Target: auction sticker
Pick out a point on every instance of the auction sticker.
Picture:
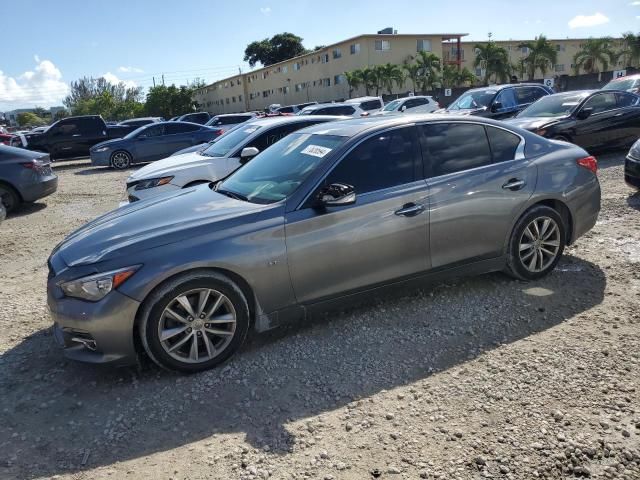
(316, 150)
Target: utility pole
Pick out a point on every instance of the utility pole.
(154, 81)
(163, 79)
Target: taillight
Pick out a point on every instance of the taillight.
(589, 163)
(31, 165)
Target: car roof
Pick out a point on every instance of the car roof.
(506, 85)
(574, 93)
(350, 127)
(234, 114)
(169, 122)
(361, 99)
(324, 105)
(635, 76)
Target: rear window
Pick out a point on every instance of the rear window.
(371, 105)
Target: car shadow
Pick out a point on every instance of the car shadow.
(58, 167)
(94, 171)
(633, 200)
(612, 159)
(63, 417)
(25, 209)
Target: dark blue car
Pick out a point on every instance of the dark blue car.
(149, 143)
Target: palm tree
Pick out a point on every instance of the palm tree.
(494, 60)
(631, 48)
(390, 74)
(594, 52)
(354, 80)
(520, 67)
(369, 79)
(412, 73)
(429, 65)
(378, 78)
(542, 55)
(452, 76)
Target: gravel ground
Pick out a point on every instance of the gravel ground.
(473, 378)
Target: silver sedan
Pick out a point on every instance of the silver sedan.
(327, 214)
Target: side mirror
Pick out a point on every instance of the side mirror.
(336, 195)
(496, 106)
(403, 108)
(247, 154)
(584, 113)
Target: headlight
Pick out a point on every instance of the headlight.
(95, 287)
(101, 149)
(153, 182)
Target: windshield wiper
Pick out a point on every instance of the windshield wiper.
(233, 195)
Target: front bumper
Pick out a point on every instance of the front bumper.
(95, 332)
(100, 159)
(134, 195)
(632, 172)
(41, 188)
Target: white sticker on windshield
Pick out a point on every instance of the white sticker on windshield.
(316, 150)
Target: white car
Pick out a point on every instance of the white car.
(367, 104)
(354, 107)
(416, 104)
(218, 160)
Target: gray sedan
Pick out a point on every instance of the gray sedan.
(330, 213)
(25, 176)
(149, 143)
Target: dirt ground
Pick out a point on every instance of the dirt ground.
(481, 377)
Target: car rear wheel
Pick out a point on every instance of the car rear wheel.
(121, 160)
(9, 197)
(536, 243)
(195, 322)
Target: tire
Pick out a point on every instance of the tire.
(121, 160)
(532, 253)
(168, 331)
(9, 197)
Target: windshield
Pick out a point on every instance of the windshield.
(473, 99)
(230, 140)
(627, 84)
(389, 107)
(553, 105)
(277, 172)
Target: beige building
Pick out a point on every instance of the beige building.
(317, 76)
(566, 48)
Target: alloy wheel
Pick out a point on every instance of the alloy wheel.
(539, 244)
(197, 325)
(120, 160)
(7, 198)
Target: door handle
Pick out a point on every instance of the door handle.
(514, 184)
(410, 210)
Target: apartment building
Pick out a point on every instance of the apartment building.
(319, 75)
(566, 49)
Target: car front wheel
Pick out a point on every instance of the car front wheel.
(195, 322)
(536, 243)
(121, 160)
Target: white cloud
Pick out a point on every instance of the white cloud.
(111, 78)
(582, 21)
(265, 10)
(41, 86)
(635, 4)
(130, 70)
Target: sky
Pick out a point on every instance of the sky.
(47, 44)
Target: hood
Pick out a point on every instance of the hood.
(107, 143)
(531, 123)
(169, 165)
(160, 220)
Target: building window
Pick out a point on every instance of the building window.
(285, 90)
(299, 87)
(560, 48)
(476, 51)
(239, 98)
(525, 50)
(325, 58)
(383, 45)
(327, 82)
(296, 66)
(285, 69)
(559, 67)
(479, 72)
(337, 53)
(233, 99)
(265, 93)
(227, 101)
(338, 79)
(354, 48)
(226, 84)
(423, 46)
(454, 53)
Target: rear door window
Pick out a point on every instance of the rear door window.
(454, 147)
(173, 128)
(507, 98)
(601, 102)
(503, 144)
(371, 105)
(383, 161)
(152, 131)
(626, 100)
(527, 95)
